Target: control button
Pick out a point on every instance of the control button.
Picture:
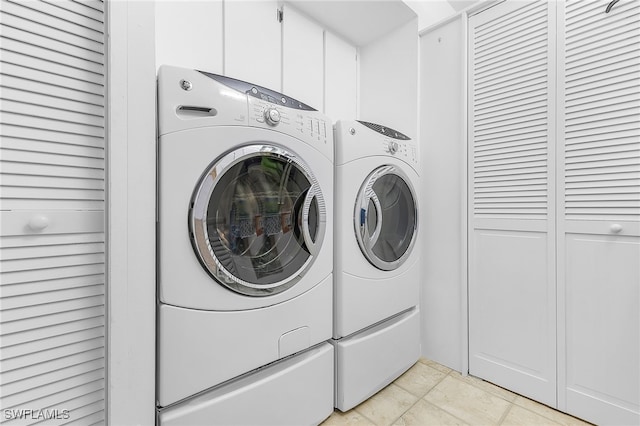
(393, 147)
(186, 85)
(283, 100)
(254, 90)
(272, 116)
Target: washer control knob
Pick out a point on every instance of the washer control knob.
(272, 116)
(393, 147)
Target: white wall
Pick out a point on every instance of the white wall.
(389, 80)
(430, 12)
(189, 34)
(442, 138)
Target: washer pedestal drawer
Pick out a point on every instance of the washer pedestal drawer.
(369, 360)
(295, 391)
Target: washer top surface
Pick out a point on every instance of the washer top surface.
(359, 139)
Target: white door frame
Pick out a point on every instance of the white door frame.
(131, 212)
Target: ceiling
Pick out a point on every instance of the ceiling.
(359, 22)
(458, 5)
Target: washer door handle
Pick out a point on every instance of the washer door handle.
(364, 218)
(312, 246)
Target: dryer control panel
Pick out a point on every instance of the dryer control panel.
(358, 139)
(406, 151)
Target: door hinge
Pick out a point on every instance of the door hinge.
(280, 14)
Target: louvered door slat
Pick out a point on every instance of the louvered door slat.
(54, 364)
(68, 394)
(511, 44)
(94, 4)
(34, 49)
(53, 183)
(46, 135)
(40, 336)
(52, 166)
(40, 14)
(71, 21)
(47, 101)
(51, 69)
(606, 103)
(52, 377)
(618, 38)
(40, 123)
(69, 382)
(38, 29)
(84, 401)
(52, 148)
(51, 113)
(86, 415)
(79, 9)
(489, 34)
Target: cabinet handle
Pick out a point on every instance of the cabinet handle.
(611, 5)
(616, 228)
(38, 222)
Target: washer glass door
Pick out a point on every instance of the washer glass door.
(386, 218)
(257, 220)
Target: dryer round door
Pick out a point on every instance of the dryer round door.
(386, 219)
(257, 220)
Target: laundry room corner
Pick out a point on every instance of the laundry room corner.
(131, 198)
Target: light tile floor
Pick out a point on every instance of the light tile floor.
(432, 394)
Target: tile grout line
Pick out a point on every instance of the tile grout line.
(451, 374)
(505, 414)
(442, 408)
(421, 398)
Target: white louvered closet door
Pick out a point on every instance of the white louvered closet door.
(599, 211)
(512, 340)
(52, 201)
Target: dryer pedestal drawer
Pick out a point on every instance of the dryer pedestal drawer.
(295, 391)
(371, 359)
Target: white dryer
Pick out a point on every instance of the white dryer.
(376, 259)
(244, 252)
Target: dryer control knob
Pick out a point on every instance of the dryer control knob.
(393, 147)
(272, 116)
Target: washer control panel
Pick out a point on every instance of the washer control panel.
(310, 126)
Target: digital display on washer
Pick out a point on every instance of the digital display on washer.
(259, 92)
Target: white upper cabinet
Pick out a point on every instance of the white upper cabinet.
(341, 78)
(252, 42)
(189, 34)
(302, 58)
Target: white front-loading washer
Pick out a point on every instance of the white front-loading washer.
(376, 259)
(245, 178)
